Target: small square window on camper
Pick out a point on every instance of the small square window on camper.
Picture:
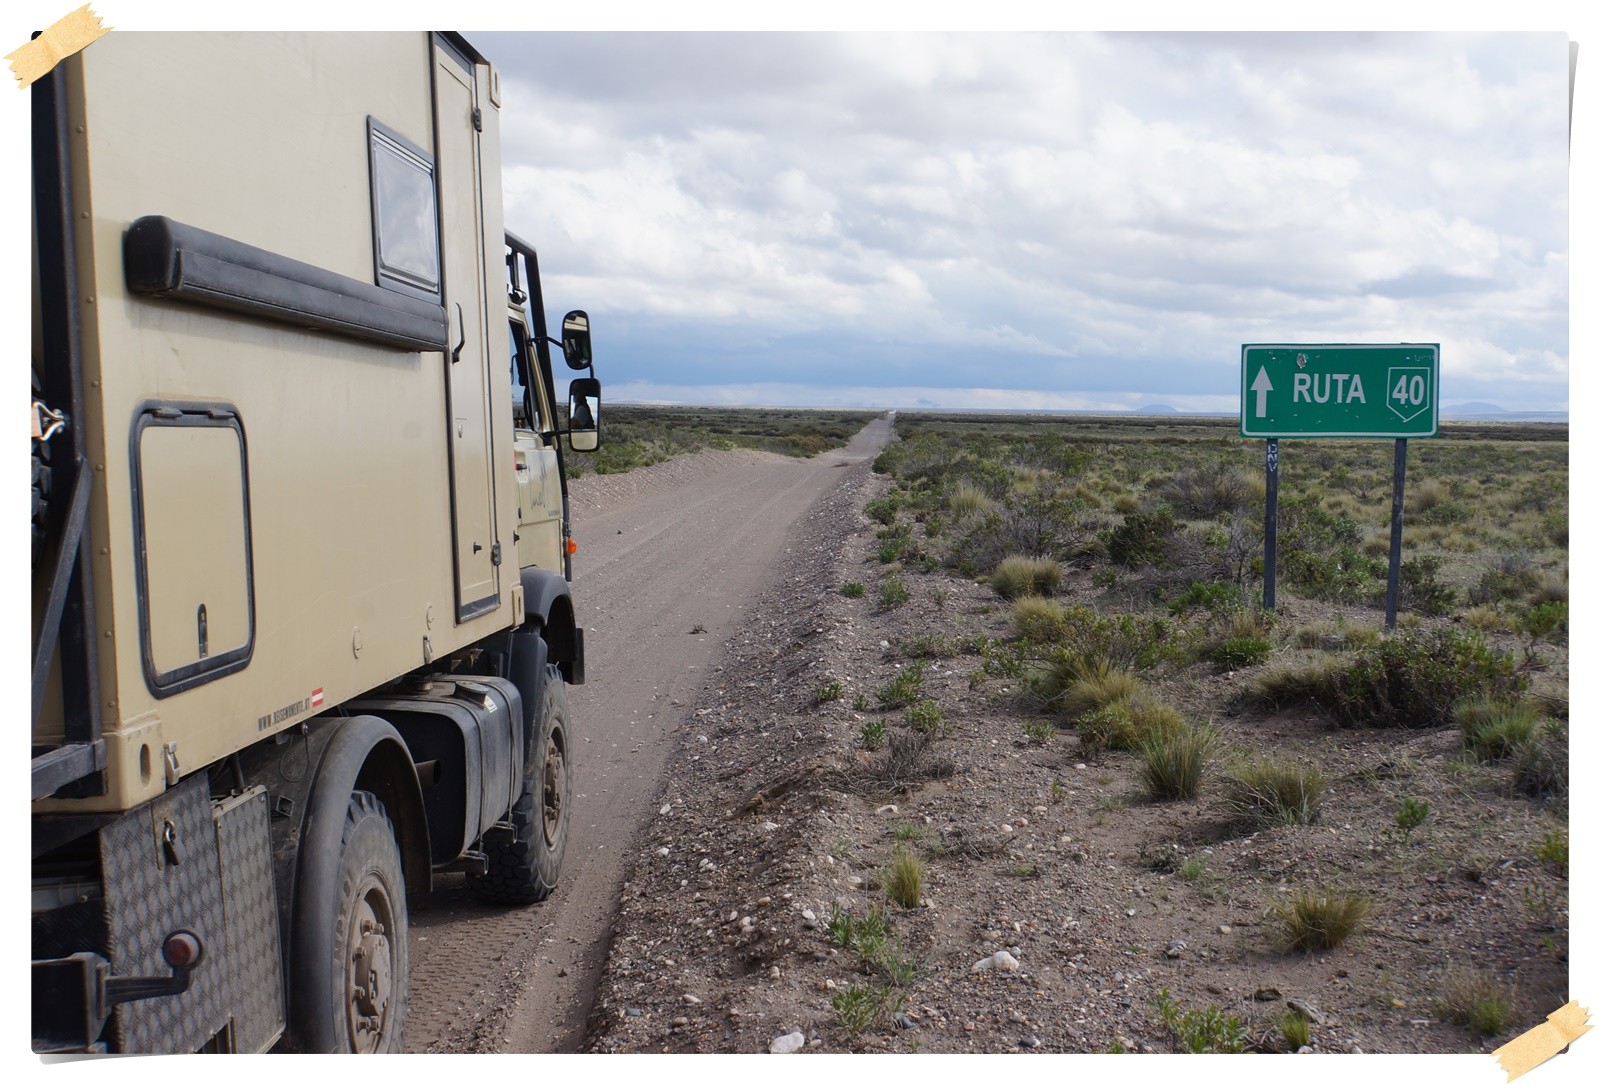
(405, 213)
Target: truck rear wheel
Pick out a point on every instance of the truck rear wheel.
(358, 1001)
(524, 870)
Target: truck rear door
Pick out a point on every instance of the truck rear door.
(461, 205)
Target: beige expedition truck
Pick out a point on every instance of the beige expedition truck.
(301, 621)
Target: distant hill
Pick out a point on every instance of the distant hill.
(1158, 408)
(1478, 411)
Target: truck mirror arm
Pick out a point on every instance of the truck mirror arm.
(557, 342)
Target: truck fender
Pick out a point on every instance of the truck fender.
(363, 753)
(529, 654)
(548, 602)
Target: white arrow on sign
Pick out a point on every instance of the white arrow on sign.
(1261, 386)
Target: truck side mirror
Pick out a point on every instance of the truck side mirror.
(583, 414)
(575, 340)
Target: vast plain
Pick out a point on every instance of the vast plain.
(1008, 757)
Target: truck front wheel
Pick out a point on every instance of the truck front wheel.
(524, 870)
(358, 1002)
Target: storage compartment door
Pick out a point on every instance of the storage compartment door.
(192, 519)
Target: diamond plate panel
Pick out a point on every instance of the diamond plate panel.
(148, 896)
(250, 908)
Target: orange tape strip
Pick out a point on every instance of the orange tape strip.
(1543, 1041)
(65, 36)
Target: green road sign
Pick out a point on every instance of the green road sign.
(1339, 390)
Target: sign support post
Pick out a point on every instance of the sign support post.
(1269, 584)
(1385, 390)
(1396, 517)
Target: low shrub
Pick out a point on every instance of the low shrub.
(852, 590)
(1321, 552)
(1017, 576)
(830, 692)
(1175, 763)
(1270, 792)
(1553, 851)
(1207, 491)
(1412, 813)
(872, 734)
(882, 510)
(1414, 679)
(903, 688)
(1545, 621)
(1314, 922)
(1421, 590)
(924, 716)
(1143, 538)
(1512, 577)
(1213, 595)
(1125, 640)
(928, 646)
(902, 764)
(1341, 575)
(1236, 653)
(1199, 1032)
(893, 593)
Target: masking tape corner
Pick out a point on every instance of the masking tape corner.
(1544, 1041)
(64, 37)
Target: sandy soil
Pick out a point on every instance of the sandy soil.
(671, 561)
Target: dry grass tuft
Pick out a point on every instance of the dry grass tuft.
(1096, 685)
(1035, 619)
(1495, 730)
(903, 880)
(1175, 763)
(1477, 1000)
(1017, 576)
(967, 499)
(1272, 792)
(1127, 723)
(1313, 922)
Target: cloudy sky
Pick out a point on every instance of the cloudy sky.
(1064, 220)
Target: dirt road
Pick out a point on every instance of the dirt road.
(669, 558)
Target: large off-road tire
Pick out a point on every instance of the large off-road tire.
(363, 990)
(524, 870)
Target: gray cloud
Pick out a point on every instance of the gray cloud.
(1084, 209)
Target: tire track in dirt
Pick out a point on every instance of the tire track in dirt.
(663, 553)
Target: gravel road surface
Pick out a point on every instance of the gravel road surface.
(670, 557)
